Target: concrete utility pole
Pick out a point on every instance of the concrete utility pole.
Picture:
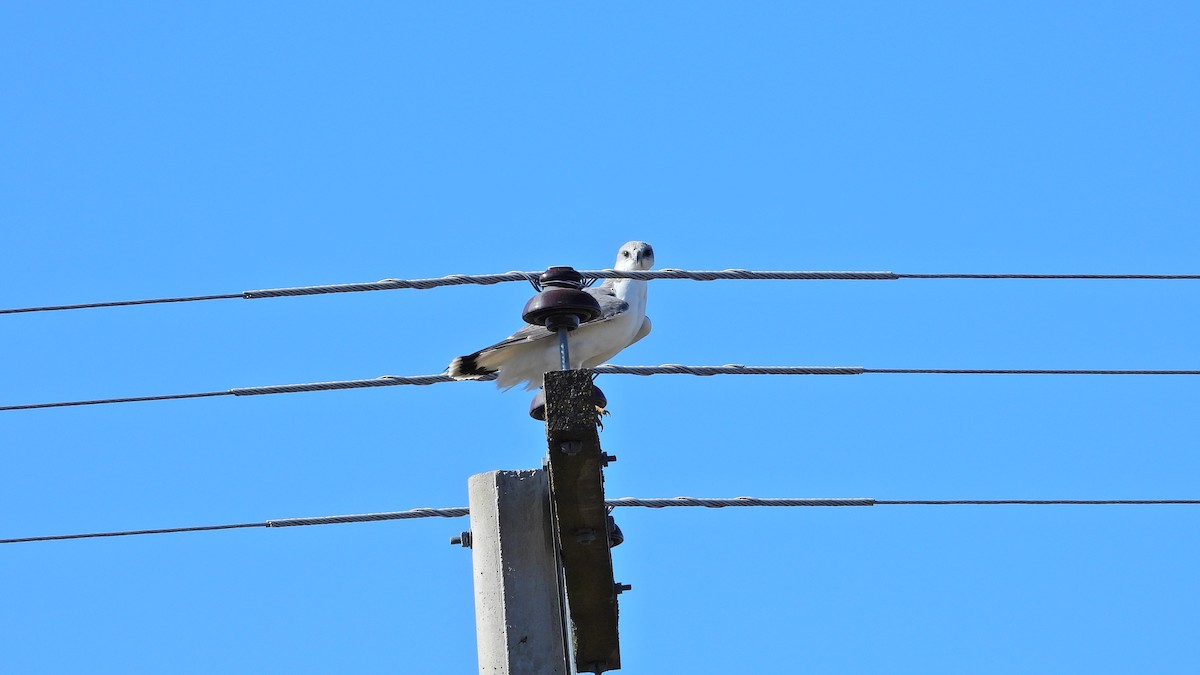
(518, 615)
(541, 539)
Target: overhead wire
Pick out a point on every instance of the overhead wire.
(712, 503)
(453, 512)
(654, 503)
(608, 369)
(666, 369)
(489, 279)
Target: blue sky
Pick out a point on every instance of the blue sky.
(159, 149)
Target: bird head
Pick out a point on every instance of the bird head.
(635, 255)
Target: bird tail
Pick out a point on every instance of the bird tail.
(468, 368)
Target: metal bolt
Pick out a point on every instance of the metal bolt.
(463, 540)
(564, 344)
(621, 588)
(607, 459)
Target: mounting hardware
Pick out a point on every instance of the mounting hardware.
(615, 536)
(563, 304)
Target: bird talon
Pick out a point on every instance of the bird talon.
(600, 413)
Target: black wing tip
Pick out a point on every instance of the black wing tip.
(467, 366)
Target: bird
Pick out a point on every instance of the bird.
(526, 355)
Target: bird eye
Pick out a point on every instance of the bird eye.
(625, 253)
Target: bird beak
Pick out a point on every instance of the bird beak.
(644, 253)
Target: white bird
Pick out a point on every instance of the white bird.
(532, 351)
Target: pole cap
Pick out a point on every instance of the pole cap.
(537, 407)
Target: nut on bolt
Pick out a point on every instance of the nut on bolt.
(463, 539)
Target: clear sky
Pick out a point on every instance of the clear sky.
(155, 149)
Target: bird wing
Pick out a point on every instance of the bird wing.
(610, 307)
(472, 366)
(643, 331)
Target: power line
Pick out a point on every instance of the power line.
(121, 303)
(489, 279)
(453, 512)
(130, 533)
(868, 501)
(665, 369)
(711, 503)
(1126, 277)
(949, 371)
(737, 369)
(653, 503)
(132, 399)
(1033, 502)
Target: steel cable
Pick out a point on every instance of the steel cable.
(653, 503)
(610, 369)
(489, 279)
